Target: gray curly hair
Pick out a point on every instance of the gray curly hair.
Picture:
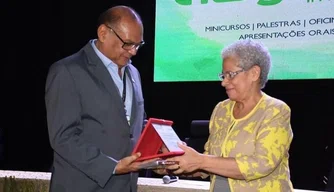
(250, 53)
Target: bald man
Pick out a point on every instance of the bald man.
(95, 109)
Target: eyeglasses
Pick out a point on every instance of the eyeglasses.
(229, 74)
(127, 45)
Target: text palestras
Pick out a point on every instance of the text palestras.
(275, 24)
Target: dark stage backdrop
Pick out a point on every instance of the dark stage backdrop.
(39, 33)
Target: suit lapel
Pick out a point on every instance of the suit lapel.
(102, 74)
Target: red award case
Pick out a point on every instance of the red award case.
(150, 141)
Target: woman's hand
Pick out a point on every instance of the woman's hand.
(189, 162)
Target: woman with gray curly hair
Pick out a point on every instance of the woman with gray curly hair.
(250, 132)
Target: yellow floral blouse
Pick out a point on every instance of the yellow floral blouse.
(259, 142)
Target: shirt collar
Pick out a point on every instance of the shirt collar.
(105, 60)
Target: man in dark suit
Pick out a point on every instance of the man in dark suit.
(95, 109)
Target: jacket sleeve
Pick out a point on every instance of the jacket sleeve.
(65, 129)
(272, 144)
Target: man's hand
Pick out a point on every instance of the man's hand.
(129, 164)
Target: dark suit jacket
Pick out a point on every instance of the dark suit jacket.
(88, 129)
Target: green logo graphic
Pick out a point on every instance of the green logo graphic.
(260, 2)
(268, 2)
